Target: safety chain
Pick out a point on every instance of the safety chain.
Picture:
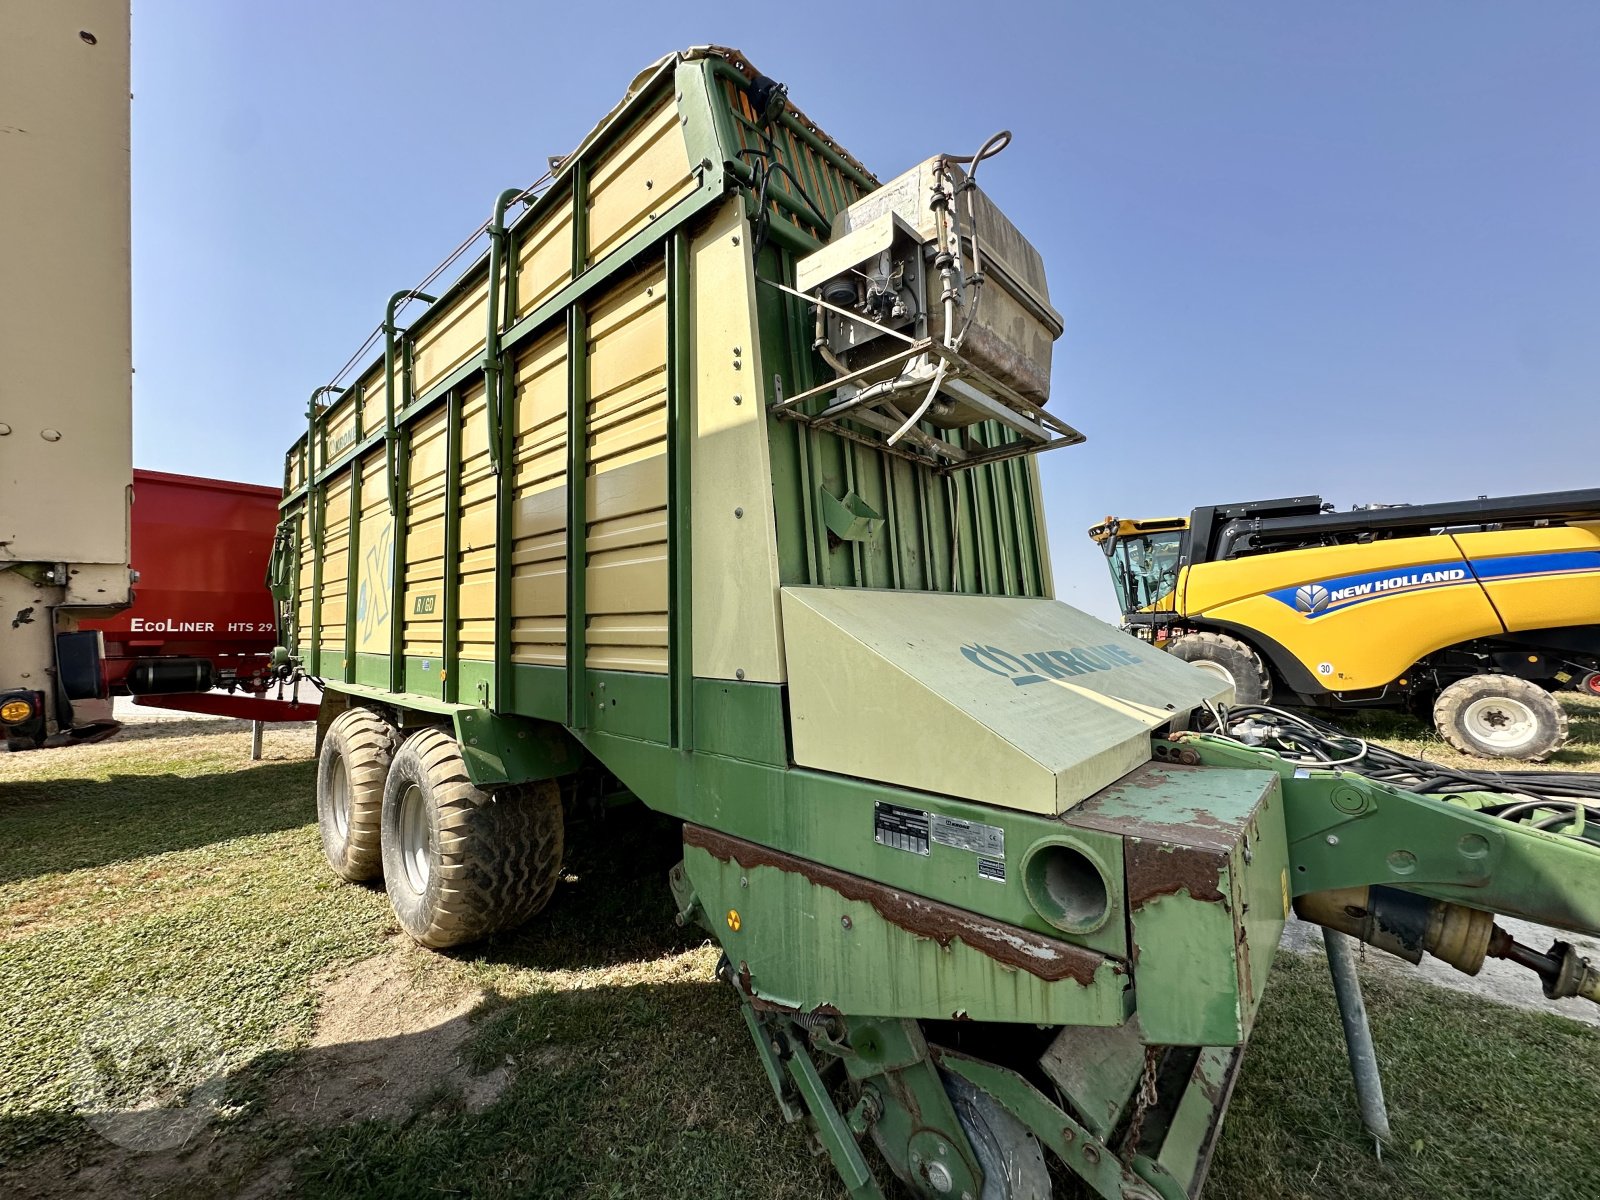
(1144, 1100)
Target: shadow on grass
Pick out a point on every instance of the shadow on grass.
(647, 1090)
(634, 1086)
(613, 904)
(72, 824)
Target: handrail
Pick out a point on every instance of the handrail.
(493, 368)
(389, 333)
(311, 432)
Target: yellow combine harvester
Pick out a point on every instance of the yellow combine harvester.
(1478, 609)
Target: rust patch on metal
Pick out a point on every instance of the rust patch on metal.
(1156, 869)
(1130, 808)
(1045, 958)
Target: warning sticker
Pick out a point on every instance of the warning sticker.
(901, 828)
(987, 840)
(992, 869)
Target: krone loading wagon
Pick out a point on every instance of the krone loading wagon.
(715, 476)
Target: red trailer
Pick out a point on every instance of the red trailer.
(202, 617)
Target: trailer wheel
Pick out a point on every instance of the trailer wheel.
(1229, 659)
(1500, 716)
(458, 862)
(351, 767)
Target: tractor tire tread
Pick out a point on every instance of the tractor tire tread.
(1219, 648)
(498, 854)
(368, 744)
(1454, 698)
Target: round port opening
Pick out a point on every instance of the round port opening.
(1066, 887)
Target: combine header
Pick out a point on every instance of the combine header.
(713, 480)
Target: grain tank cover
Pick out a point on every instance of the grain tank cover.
(1022, 703)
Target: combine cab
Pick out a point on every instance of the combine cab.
(714, 480)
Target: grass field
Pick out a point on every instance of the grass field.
(592, 1054)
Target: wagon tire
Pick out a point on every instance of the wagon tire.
(1500, 716)
(351, 769)
(1229, 659)
(460, 863)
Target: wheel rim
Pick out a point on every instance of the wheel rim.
(1217, 669)
(1500, 721)
(339, 789)
(416, 839)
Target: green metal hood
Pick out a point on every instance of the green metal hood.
(1023, 703)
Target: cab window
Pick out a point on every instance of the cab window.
(1145, 569)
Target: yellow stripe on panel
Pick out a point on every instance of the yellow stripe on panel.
(544, 257)
(539, 506)
(637, 181)
(475, 614)
(450, 338)
(373, 571)
(626, 536)
(335, 564)
(422, 601)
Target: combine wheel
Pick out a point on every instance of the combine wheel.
(355, 757)
(1228, 658)
(1500, 716)
(460, 863)
(1013, 1165)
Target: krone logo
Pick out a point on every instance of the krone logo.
(1312, 598)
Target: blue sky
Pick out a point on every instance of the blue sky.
(1350, 249)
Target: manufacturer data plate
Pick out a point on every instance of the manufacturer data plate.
(902, 828)
(989, 841)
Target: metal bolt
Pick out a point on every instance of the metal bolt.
(737, 399)
(939, 1177)
(847, 923)
(743, 882)
(739, 674)
(50, 435)
(736, 239)
(738, 513)
(5, 429)
(1333, 839)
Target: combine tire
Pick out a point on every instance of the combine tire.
(460, 863)
(1228, 658)
(355, 757)
(1500, 716)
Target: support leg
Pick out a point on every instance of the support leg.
(255, 741)
(1357, 1034)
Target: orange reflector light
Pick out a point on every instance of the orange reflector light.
(14, 712)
